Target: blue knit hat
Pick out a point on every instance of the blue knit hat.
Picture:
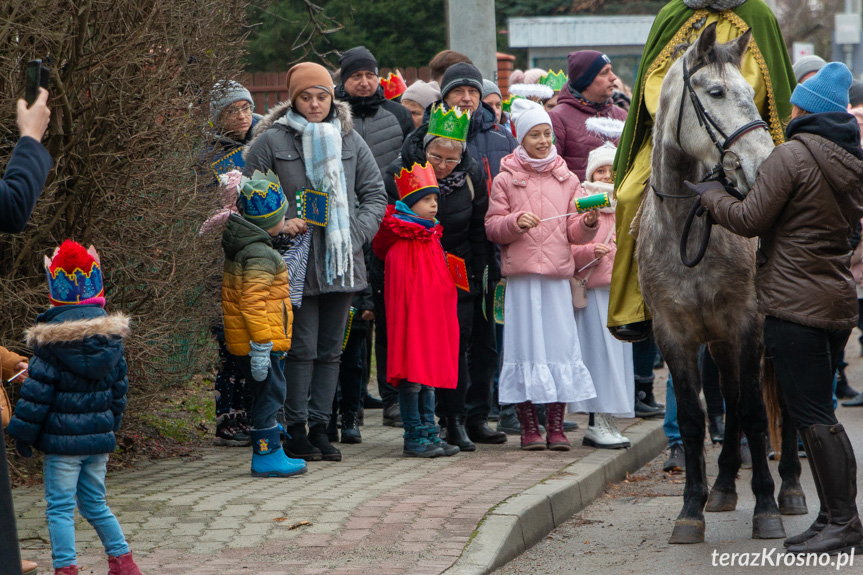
(826, 91)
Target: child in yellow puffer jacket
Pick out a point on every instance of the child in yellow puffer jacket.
(257, 313)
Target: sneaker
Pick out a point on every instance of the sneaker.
(601, 436)
(676, 462)
(508, 421)
(611, 422)
(230, 433)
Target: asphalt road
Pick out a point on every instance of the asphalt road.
(627, 531)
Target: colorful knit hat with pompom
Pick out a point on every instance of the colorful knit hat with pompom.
(74, 275)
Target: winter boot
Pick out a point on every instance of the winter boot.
(124, 564)
(268, 458)
(716, 428)
(456, 433)
(531, 438)
(833, 458)
(644, 394)
(68, 570)
(416, 444)
(230, 432)
(555, 437)
(333, 428)
(318, 438)
(350, 428)
(823, 514)
(433, 435)
(297, 444)
(508, 420)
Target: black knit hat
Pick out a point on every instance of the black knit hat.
(855, 93)
(356, 60)
(461, 74)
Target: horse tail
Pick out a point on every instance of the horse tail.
(770, 392)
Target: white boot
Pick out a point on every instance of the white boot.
(611, 422)
(600, 435)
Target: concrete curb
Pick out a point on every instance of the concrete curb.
(523, 520)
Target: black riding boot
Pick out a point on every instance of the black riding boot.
(823, 515)
(456, 433)
(833, 457)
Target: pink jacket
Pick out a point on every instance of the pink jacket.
(583, 254)
(545, 249)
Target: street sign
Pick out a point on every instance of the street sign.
(847, 29)
(800, 49)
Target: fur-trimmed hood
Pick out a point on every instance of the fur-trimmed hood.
(81, 338)
(343, 112)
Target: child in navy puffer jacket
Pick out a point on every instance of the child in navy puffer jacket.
(72, 403)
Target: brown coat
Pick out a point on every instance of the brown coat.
(804, 206)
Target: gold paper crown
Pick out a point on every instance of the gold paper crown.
(453, 124)
(554, 80)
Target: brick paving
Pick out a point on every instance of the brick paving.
(374, 512)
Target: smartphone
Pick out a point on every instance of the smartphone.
(38, 75)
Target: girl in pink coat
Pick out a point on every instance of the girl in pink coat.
(530, 217)
(608, 359)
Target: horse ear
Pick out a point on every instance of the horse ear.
(706, 43)
(738, 46)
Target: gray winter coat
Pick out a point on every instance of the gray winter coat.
(383, 124)
(278, 147)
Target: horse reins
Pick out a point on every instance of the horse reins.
(718, 173)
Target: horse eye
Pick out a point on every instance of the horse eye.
(717, 92)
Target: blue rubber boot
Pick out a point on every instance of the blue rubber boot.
(268, 457)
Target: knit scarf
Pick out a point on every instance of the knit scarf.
(451, 183)
(322, 153)
(718, 5)
(538, 164)
(405, 214)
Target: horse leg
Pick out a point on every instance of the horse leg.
(766, 520)
(683, 364)
(723, 494)
(792, 499)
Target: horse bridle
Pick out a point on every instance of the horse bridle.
(728, 162)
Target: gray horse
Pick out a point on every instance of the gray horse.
(713, 302)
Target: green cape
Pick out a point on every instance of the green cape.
(674, 16)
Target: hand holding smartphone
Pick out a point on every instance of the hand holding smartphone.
(38, 76)
(33, 112)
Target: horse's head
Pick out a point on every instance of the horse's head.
(704, 103)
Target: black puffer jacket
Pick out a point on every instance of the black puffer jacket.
(381, 123)
(461, 211)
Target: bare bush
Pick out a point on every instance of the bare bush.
(127, 84)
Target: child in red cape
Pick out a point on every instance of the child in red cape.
(420, 296)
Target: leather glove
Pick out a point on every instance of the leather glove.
(260, 359)
(23, 448)
(702, 187)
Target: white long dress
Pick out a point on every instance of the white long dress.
(541, 354)
(609, 360)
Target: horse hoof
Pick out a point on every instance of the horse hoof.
(687, 531)
(767, 527)
(719, 501)
(792, 503)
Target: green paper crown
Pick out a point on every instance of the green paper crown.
(453, 124)
(554, 80)
(506, 105)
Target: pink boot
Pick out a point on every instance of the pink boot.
(67, 570)
(123, 565)
(555, 437)
(531, 438)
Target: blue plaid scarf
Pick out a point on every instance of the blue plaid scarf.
(322, 153)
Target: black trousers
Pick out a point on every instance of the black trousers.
(805, 359)
(482, 360)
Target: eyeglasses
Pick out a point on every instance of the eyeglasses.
(244, 110)
(438, 160)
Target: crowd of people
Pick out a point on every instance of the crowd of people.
(476, 246)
